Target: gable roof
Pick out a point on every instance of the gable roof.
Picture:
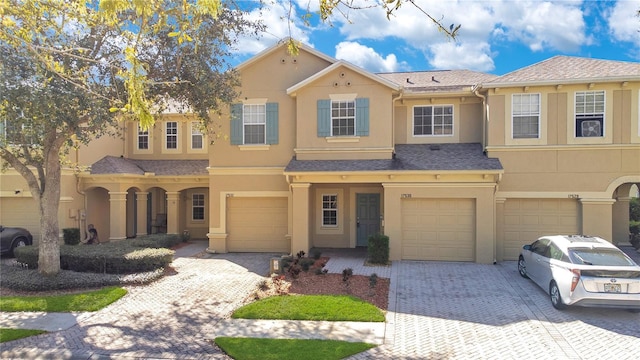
(338, 64)
(409, 157)
(121, 165)
(279, 45)
(569, 70)
(448, 81)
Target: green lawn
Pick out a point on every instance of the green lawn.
(311, 307)
(88, 301)
(14, 334)
(284, 349)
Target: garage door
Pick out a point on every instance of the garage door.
(21, 212)
(527, 219)
(257, 225)
(438, 229)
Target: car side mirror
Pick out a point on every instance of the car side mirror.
(527, 247)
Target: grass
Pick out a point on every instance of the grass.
(311, 307)
(88, 301)
(283, 349)
(14, 334)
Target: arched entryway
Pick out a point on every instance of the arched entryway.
(97, 212)
(620, 212)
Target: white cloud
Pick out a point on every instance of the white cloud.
(624, 24)
(277, 19)
(367, 58)
(542, 25)
(452, 55)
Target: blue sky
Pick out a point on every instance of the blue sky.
(497, 36)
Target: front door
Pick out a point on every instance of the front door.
(367, 217)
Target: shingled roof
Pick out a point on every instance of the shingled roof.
(121, 165)
(559, 69)
(437, 81)
(425, 157)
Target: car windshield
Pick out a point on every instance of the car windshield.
(609, 257)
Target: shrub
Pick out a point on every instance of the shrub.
(347, 274)
(29, 280)
(110, 258)
(378, 249)
(316, 254)
(634, 227)
(306, 263)
(71, 236)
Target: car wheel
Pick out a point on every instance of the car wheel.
(19, 242)
(554, 295)
(522, 268)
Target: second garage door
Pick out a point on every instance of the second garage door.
(438, 229)
(527, 219)
(257, 225)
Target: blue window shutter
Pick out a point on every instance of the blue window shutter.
(362, 117)
(272, 123)
(236, 124)
(324, 118)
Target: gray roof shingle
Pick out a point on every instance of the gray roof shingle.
(437, 81)
(121, 165)
(567, 68)
(415, 157)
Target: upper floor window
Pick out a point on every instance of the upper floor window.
(171, 134)
(525, 115)
(343, 115)
(197, 206)
(196, 136)
(254, 120)
(589, 113)
(143, 138)
(433, 120)
(330, 210)
(15, 133)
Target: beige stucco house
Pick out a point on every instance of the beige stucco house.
(316, 152)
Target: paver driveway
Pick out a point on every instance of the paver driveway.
(438, 310)
(171, 318)
(473, 311)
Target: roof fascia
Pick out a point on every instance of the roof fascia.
(341, 63)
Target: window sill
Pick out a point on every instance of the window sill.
(259, 147)
(343, 139)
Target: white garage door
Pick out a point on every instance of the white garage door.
(527, 219)
(438, 229)
(21, 212)
(257, 225)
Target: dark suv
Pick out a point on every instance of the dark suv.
(13, 237)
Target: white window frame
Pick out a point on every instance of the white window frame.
(527, 110)
(329, 205)
(342, 113)
(433, 120)
(197, 202)
(590, 112)
(141, 135)
(9, 141)
(172, 134)
(254, 115)
(196, 134)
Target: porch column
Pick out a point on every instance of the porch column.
(300, 218)
(141, 213)
(621, 221)
(117, 215)
(597, 215)
(173, 201)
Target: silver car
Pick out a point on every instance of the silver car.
(583, 271)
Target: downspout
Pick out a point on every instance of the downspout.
(485, 117)
(485, 120)
(393, 118)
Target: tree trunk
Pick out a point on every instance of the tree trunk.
(49, 246)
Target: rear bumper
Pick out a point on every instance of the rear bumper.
(608, 303)
(609, 300)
